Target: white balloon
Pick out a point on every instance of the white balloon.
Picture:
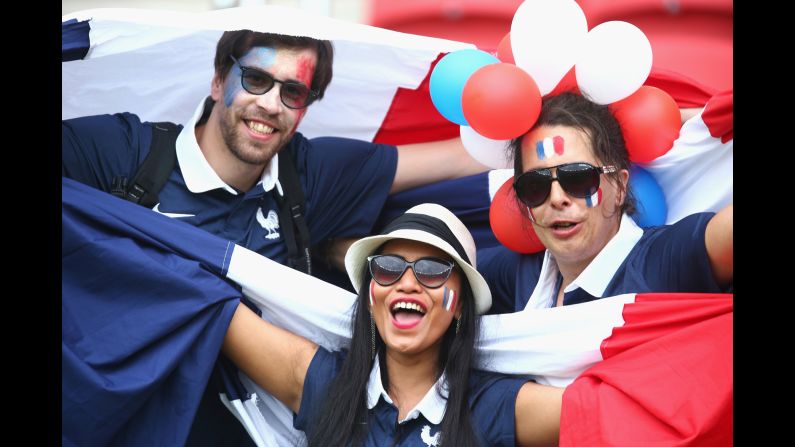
(546, 38)
(492, 153)
(615, 62)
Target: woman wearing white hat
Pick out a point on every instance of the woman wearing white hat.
(407, 377)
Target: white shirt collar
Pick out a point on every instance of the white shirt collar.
(432, 405)
(597, 275)
(196, 170)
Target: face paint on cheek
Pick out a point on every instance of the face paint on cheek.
(595, 199)
(233, 85)
(449, 300)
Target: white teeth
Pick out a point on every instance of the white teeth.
(260, 128)
(408, 306)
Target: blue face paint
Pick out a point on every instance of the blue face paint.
(257, 57)
(233, 85)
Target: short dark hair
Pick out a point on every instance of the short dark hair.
(237, 43)
(599, 125)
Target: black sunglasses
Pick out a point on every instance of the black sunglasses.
(257, 82)
(577, 179)
(430, 272)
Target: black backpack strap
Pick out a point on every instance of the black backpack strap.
(155, 169)
(292, 220)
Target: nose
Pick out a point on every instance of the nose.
(558, 198)
(271, 100)
(408, 282)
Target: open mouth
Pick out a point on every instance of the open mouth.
(407, 314)
(563, 225)
(260, 128)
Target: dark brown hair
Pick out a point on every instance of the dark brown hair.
(237, 43)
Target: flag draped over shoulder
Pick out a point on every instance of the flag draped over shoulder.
(147, 300)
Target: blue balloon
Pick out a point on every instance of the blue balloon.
(650, 199)
(448, 79)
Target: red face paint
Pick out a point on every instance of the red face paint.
(557, 142)
(305, 70)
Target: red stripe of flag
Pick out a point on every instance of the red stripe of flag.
(666, 379)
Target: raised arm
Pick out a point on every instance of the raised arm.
(277, 360)
(538, 415)
(719, 238)
(423, 163)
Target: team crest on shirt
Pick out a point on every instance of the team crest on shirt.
(429, 440)
(270, 223)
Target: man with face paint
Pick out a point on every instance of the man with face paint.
(571, 174)
(226, 174)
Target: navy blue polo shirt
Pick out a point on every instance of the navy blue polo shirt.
(670, 258)
(492, 402)
(345, 181)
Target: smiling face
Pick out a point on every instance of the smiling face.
(256, 127)
(573, 229)
(410, 317)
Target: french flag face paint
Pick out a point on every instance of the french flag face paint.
(549, 147)
(449, 300)
(595, 199)
(372, 293)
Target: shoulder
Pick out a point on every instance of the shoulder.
(326, 364)
(480, 380)
(125, 122)
(689, 227)
(336, 148)
(110, 130)
(488, 388)
(492, 401)
(323, 368)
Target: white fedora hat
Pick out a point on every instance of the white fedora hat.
(434, 225)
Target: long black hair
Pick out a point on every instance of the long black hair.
(343, 418)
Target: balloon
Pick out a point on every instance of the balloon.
(567, 84)
(492, 153)
(649, 197)
(504, 52)
(546, 38)
(448, 79)
(510, 223)
(615, 61)
(501, 101)
(650, 122)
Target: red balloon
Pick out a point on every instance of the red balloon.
(504, 50)
(510, 223)
(567, 84)
(501, 101)
(650, 122)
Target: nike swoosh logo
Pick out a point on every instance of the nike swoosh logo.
(157, 210)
